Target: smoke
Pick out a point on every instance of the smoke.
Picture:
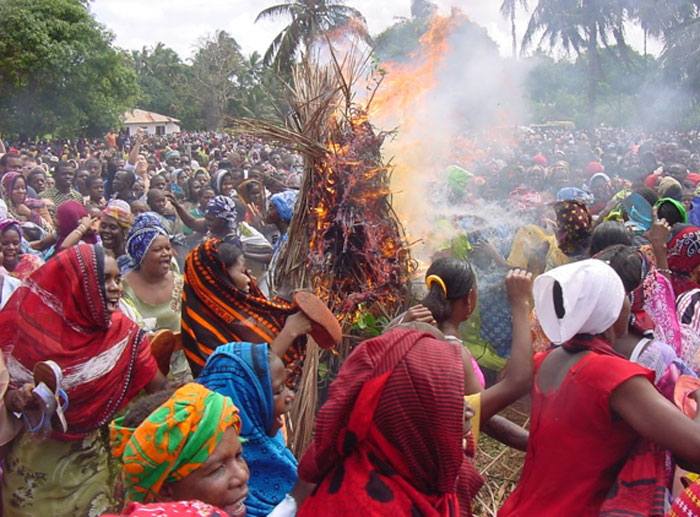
(448, 101)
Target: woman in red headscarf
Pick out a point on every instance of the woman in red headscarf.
(66, 312)
(684, 258)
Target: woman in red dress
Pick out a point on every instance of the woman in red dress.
(591, 407)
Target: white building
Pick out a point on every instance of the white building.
(152, 123)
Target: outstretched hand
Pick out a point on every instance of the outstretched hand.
(519, 287)
(658, 234)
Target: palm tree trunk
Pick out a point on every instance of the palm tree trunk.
(512, 32)
(593, 69)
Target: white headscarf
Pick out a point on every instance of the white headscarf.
(592, 295)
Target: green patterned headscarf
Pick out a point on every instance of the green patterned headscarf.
(174, 441)
(458, 178)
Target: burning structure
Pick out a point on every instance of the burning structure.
(345, 241)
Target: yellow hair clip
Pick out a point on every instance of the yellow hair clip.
(439, 281)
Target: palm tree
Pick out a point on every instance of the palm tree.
(579, 26)
(308, 19)
(508, 8)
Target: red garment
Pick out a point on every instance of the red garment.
(60, 314)
(389, 439)
(650, 180)
(577, 446)
(177, 509)
(693, 178)
(593, 168)
(68, 216)
(684, 258)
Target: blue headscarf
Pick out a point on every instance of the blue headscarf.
(242, 371)
(218, 178)
(224, 208)
(284, 203)
(694, 213)
(574, 194)
(147, 226)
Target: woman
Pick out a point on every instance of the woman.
(216, 312)
(14, 191)
(150, 286)
(115, 222)
(253, 376)
(375, 451)
(223, 182)
(590, 406)
(573, 229)
(280, 211)
(16, 260)
(74, 226)
(66, 312)
(684, 258)
(182, 448)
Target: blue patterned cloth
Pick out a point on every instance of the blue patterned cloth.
(241, 371)
(284, 203)
(574, 194)
(147, 226)
(494, 310)
(224, 208)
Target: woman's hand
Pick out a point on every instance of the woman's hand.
(519, 287)
(658, 234)
(419, 313)
(21, 399)
(297, 324)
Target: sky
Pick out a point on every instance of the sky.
(181, 24)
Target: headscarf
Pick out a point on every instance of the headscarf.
(684, 258)
(241, 371)
(218, 178)
(68, 216)
(393, 416)
(599, 176)
(224, 208)
(574, 226)
(583, 297)
(694, 213)
(593, 168)
(284, 203)
(172, 154)
(174, 441)
(147, 226)
(8, 183)
(7, 222)
(667, 184)
(574, 194)
(60, 314)
(120, 211)
(676, 204)
(177, 509)
(215, 313)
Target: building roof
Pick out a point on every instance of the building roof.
(137, 116)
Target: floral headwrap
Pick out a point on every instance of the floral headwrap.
(684, 258)
(147, 226)
(174, 441)
(120, 211)
(574, 221)
(6, 223)
(8, 182)
(284, 203)
(224, 208)
(573, 193)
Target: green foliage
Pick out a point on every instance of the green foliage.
(59, 73)
(367, 325)
(308, 19)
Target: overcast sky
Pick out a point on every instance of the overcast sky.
(180, 24)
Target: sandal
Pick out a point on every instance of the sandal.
(163, 344)
(53, 400)
(325, 328)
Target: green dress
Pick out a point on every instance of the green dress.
(162, 316)
(57, 478)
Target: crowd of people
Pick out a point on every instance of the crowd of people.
(151, 350)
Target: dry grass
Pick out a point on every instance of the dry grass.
(499, 465)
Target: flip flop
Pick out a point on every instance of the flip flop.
(163, 344)
(325, 328)
(49, 375)
(685, 385)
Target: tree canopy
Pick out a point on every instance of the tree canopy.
(59, 73)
